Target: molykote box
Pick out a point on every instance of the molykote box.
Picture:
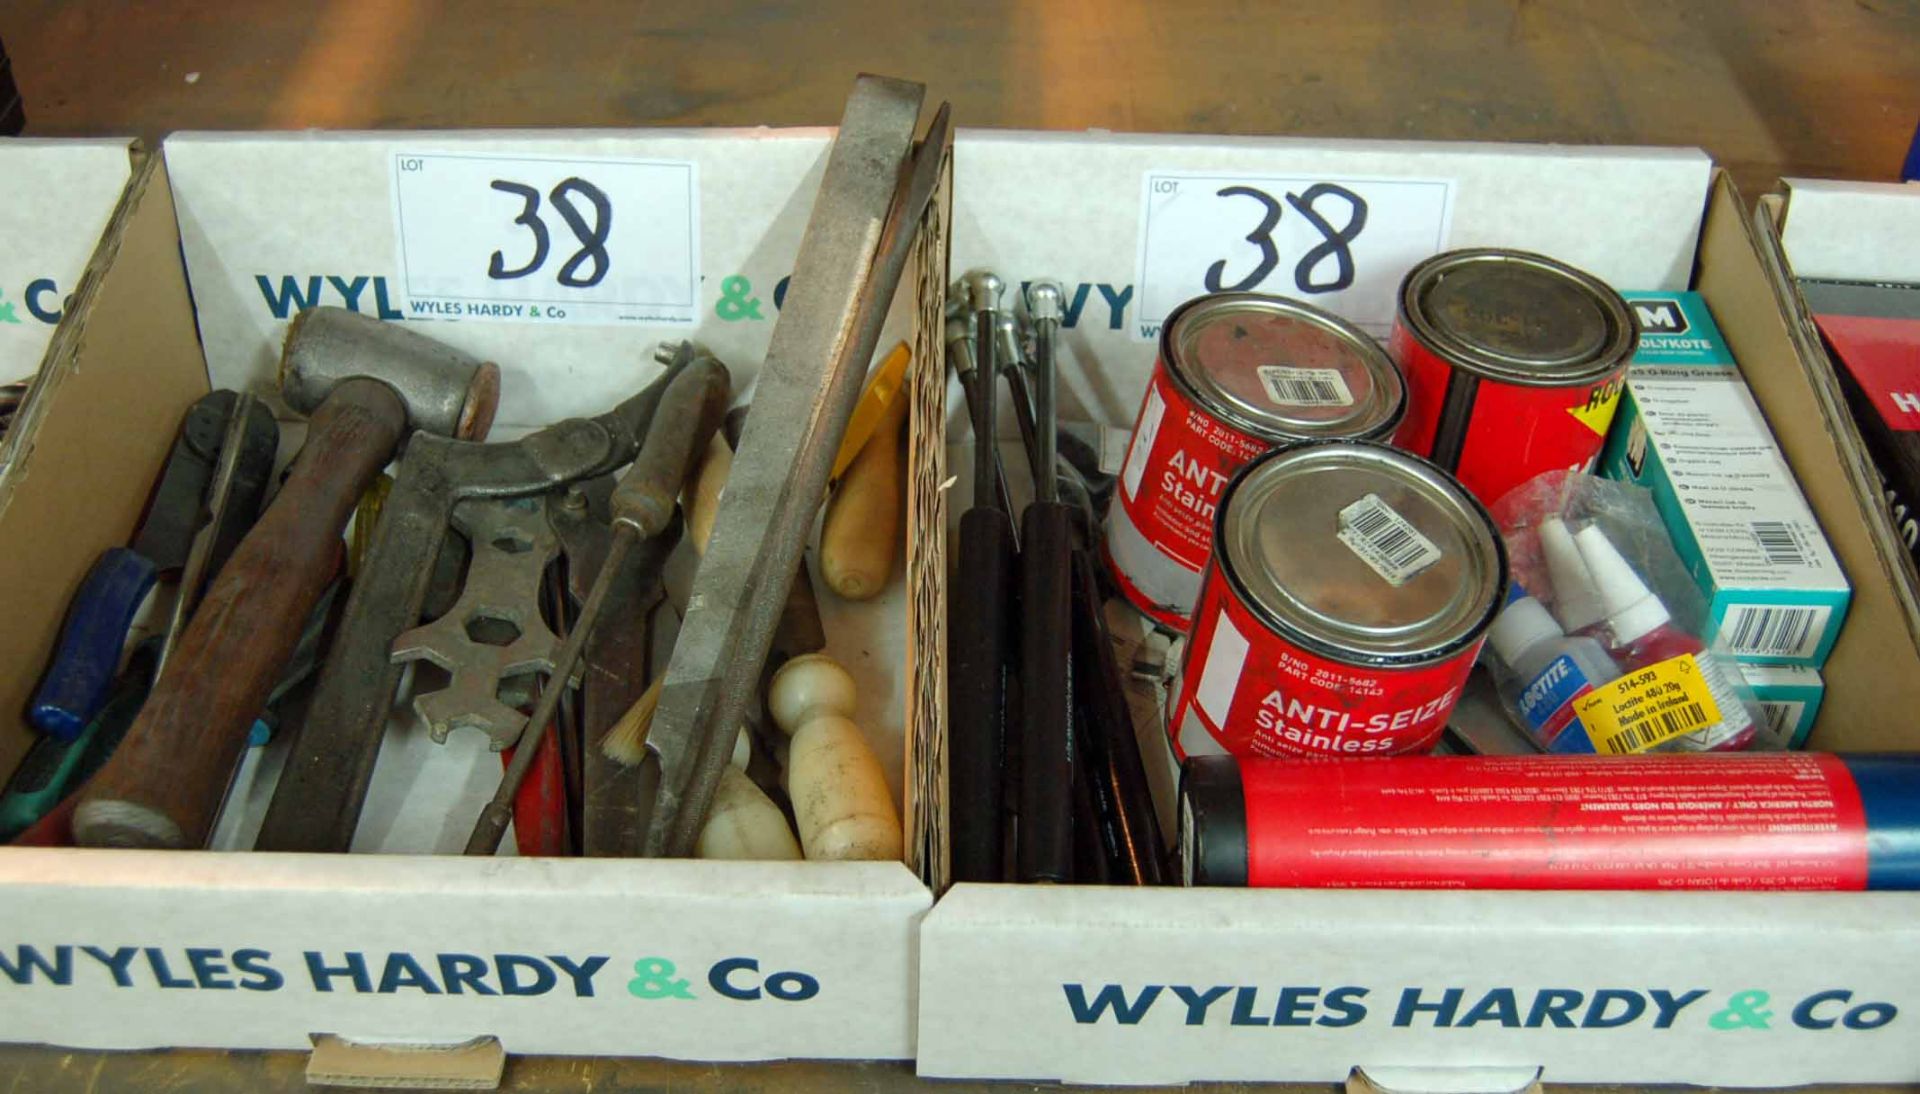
(1690, 432)
(1423, 990)
(55, 198)
(405, 941)
(1789, 699)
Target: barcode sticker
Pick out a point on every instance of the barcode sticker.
(1385, 541)
(1777, 541)
(1649, 707)
(1305, 386)
(1781, 718)
(1753, 630)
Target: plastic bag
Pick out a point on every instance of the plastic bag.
(1599, 646)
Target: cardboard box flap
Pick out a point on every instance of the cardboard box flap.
(55, 198)
(1852, 231)
(273, 223)
(1146, 986)
(595, 957)
(1866, 707)
(1075, 207)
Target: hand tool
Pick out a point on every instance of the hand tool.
(200, 562)
(364, 382)
(539, 809)
(1128, 828)
(744, 824)
(960, 358)
(979, 622)
(494, 631)
(615, 794)
(1014, 372)
(642, 506)
(1044, 848)
(317, 804)
(871, 200)
(840, 796)
(53, 766)
(886, 386)
(798, 632)
(366, 517)
(860, 534)
(91, 640)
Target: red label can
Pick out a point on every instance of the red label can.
(1237, 375)
(1350, 589)
(1514, 364)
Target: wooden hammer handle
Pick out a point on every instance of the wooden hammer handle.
(166, 781)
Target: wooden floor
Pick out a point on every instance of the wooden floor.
(1817, 87)
(1769, 87)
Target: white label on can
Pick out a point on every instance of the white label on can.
(1143, 437)
(1385, 541)
(1221, 676)
(1288, 386)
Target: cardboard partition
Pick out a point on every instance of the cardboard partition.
(1130, 986)
(55, 198)
(1864, 231)
(709, 961)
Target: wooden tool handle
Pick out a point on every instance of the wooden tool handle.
(702, 499)
(861, 534)
(165, 783)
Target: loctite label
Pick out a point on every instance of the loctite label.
(1547, 703)
(1259, 694)
(1766, 821)
(1495, 436)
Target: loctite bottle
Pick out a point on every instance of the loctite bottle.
(1550, 669)
(1639, 631)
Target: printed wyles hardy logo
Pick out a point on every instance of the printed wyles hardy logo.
(7, 312)
(1660, 316)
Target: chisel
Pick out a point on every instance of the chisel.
(978, 620)
(1044, 848)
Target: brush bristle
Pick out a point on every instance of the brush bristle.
(626, 742)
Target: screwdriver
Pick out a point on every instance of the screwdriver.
(642, 506)
(960, 358)
(1044, 848)
(978, 619)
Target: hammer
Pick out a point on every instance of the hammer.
(364, 384)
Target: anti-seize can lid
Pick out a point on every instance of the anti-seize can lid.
(1518, 317)
(1361, 552)
(1282, 370)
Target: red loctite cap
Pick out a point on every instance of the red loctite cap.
(1213, 822)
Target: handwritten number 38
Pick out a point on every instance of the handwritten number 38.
(1335, 242)
(592, 236)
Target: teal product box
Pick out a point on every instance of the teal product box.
(1789, 700)
(1689, 431)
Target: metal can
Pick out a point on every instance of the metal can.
(1769, 820)
(1514, 364)
(1238, 374)
(1350, 588)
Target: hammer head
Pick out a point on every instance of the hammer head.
(444, 390)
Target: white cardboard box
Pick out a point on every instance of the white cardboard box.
(1864, 231)
(1306, 985)
(55, 198)
(714, 961)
